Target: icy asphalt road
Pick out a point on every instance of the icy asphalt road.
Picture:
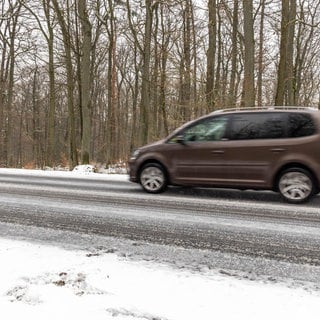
(254, 227)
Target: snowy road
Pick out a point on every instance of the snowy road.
(245, 223)
(74, 246)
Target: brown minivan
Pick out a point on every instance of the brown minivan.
(275, 148)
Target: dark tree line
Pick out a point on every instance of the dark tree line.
(89, 80)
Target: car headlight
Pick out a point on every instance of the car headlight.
(135, 154)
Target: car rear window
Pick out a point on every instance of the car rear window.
(300, 125)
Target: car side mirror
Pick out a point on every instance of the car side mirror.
(180, 139)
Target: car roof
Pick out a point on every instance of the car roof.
(266, 109)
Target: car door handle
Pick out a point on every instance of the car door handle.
(217, 151)
(277, 150)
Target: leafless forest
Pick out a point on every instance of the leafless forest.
(89, 80)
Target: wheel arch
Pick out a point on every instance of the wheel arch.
(152, 160)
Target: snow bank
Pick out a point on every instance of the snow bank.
(79, 171)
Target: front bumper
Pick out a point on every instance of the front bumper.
(133, 175)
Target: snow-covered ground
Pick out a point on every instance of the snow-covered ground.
(40, 280)
(79, 172)
(46, 282)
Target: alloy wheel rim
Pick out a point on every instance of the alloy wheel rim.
(295, 186)
(152, 179)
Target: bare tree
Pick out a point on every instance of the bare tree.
(284, 93)
(185, 62)
(260, 54)
(248, 82)
(234, 54)
(145, 84)
(211, 53)
(86, 83)
(9, 31)
(73, 159)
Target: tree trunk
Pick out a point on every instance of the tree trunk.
(51, 136)
(145, 84)
(248, 81)
(211, 54)
(163, 73)
(85, 66)
(290, 51)
(9, 140)
(284, 93)
(185, 89)
(260, 58)
(234, 54)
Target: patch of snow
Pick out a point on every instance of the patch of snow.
(64, 174)
(45, 282)
(84, 168)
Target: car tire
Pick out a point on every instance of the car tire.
(296, 185)
(153, 178)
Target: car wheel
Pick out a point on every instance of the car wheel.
(296, 185)
(153, 178)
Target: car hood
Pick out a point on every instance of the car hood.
(151, 145)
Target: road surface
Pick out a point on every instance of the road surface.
(256, 224)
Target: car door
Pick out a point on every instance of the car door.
(257, 141)
(197, 153)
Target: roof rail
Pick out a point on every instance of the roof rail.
(263, 108)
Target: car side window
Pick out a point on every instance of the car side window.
(258, 126)
(212, 129)
(300, 125)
